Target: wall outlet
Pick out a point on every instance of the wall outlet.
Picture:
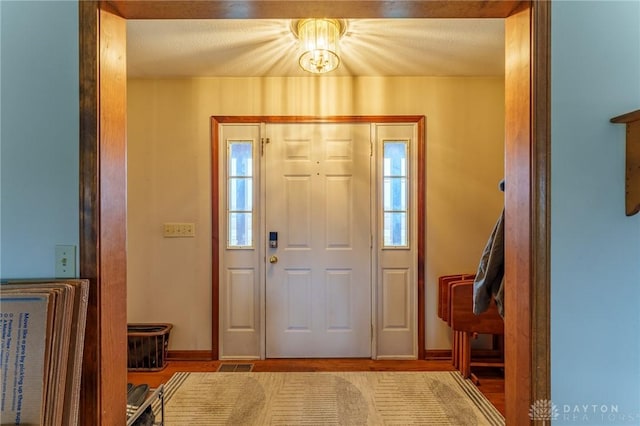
(65, 261)
(179, 230)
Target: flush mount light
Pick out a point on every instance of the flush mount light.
(319, 43)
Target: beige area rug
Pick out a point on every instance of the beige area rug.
(345, 398)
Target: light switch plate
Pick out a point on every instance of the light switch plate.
(65, 261)
(179, 230)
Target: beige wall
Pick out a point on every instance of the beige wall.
(169, 280)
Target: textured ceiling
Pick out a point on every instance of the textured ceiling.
(266, 47)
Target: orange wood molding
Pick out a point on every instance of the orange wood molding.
(103, 213)
(273, 9)
(518, 255)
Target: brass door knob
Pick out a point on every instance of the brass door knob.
(273, 259)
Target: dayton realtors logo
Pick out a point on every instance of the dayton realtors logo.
(545, 410)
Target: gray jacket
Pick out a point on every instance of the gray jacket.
(489, 279)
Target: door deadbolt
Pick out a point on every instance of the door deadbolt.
(273, 239)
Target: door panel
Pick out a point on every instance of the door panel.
(317, 197)
(240, 247)
(397, 241)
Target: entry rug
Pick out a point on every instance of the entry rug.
(341, 398)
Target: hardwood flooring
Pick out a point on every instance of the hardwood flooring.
(491, 380)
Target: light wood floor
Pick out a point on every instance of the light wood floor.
(491, 380)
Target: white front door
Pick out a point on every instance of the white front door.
(318, 278)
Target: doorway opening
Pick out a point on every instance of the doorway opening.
(103, 180)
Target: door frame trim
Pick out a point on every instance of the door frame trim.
(104, 373)
(418, 120)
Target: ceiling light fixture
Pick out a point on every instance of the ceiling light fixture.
(319, 43)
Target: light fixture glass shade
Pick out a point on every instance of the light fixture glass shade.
(319, 44)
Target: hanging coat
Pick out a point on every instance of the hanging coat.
(489, 279)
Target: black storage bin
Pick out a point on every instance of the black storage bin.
(148, 345)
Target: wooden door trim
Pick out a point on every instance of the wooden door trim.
(419, 120)
(280, 9)
(540, 279)
(518, 215)
(103, 213)
(94, 250)
(90, 397)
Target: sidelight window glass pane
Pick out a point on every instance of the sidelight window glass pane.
(395, 229)
(395, 158)
(240, 194)
(240, 229)
(240, 159)
(395, 194)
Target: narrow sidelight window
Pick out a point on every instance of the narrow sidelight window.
(394, 192)
(240, 194)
